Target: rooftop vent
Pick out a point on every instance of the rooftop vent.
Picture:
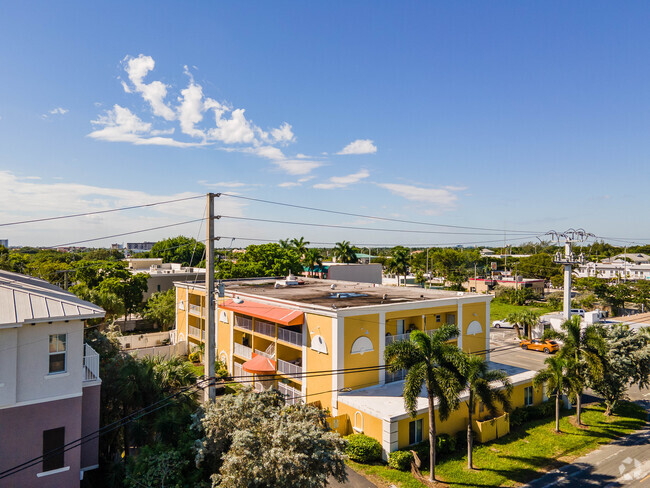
(333, 286)
(237, 300)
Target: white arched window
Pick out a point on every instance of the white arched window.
(361, 345)
(318, 344)
(474, 328)
(358, 422)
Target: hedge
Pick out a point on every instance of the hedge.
(400, 460)
(363, 449)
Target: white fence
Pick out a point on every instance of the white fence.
(196, 332)
(91, 364)
(169, 351)
(243, 351)
(288, 368)
(243, 322)
(266, 328)
(291, 395)
(290, 336)
(152, 339)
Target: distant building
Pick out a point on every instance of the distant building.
(487, 285)
(135, 247)
(4, 243)
(117, 247)
(617, 269)
(162, 275)
(360, 273)
(49, 383)
(634, 258)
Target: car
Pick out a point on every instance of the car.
(547, 346)
(502, 324)
(578, 311)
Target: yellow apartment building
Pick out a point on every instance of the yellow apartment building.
(316, 337)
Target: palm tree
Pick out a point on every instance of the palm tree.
(433, 362)
(560, 377)
(584, 347)
(344, 253)
(525, 318)
(312, 258)
(489, 386)
(284, 243)
(399, 262)
(299, 245)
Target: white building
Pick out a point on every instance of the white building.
(49, 383)
(615, 269)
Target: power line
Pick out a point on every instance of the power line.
(45, 219)
(388, 219)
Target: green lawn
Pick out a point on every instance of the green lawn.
(500, 310)
(525, 453)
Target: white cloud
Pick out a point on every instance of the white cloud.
(283, 133)
(59, 111)
(442, 197)
(360, 146)
(343, 181)
(122, 125)
(223, 184)
(297, 166)
(235, 130)
(288, 184)
(190, 111)
(154, 92)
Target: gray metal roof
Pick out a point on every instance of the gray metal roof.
(25, 299)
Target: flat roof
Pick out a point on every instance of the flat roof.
(387, 403)
(345, 294)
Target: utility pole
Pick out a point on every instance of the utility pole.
(570, 236)
(210, 392)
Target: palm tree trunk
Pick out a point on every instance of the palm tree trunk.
(469, 432)
(578, 407)
(517, 330)
(125, 434)
(557, 411)
(432, 440)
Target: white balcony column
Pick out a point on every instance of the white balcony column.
(382, 347)
(337, 360)
(460, 326)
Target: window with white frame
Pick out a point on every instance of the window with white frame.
(415, 431)
(528, 396)
(57, 353)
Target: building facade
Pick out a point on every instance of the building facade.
(49, 383)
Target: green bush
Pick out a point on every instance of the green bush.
(363, 449)
(522, 415)
(445, 444)
(400, 460)
(194, 357)
(461, 439)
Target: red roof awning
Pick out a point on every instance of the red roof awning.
(263, 311)
(259, 365)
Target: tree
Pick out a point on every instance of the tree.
(312, 258)
(299, 245)
(161, 308)
(433, 362)
(626, 362)
(261, 260)
(184, 250)
(584, 347)
(559, 376)
(539, 266)
(253, 439)
(453, 264)
(525, 318)
(344, 252)
(490, 387)
(399, 262)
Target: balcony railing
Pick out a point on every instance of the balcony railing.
(265, 354)
(196, 332)
(243, 351)
(290, 336)
(196, 309)
(398, 376)
(266, 328)
(240, 374)
(291, 395)
(91, 364)
(398, 337)
(243, 322)
(289, 368)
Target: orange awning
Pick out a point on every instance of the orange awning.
(258, 310)
(259, 365)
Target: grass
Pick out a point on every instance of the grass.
(525, 453)
(499, 310)
(198, 368)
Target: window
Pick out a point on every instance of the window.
(438, 318)
(415, 431)
(58, 353)
(400, 327)
(53, 455)
(528, 396)
(451, 318)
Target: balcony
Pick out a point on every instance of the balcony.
(397, 338)
(196, 310)
(290, 336)
(266, 328)
(265, 354)
(243, 322)
(240, 374)
(289, 368)
(291, 395)
(243, 351)
(91, 364)
(196, 332)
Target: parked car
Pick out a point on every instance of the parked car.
(578, 311)
(546, 346)
(502, 324)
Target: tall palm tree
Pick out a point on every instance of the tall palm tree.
(284, 243)
(560, 377)
(433, 362)
(399, 262)
(585, 348)
(299, 245)
(344, 253)
(312, 258)
(489, 386)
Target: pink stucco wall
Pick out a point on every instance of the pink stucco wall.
(90, 424)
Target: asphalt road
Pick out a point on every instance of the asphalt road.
(355, 480)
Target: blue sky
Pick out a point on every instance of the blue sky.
(508, 115)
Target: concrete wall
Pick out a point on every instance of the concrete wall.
(21, 431)
(169, 351)
(135, 341)
(90, 423)
(361, 273)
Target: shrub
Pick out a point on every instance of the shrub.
(400, 460)
(522, 415)
(194, 357)
(445, 444)
(363, 449)
(461, 439)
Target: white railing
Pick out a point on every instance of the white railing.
(91, 364)
(243, 322)
(398, 337)
(243, 351)
(289, 368)
(266, 328)
(291, 395)
(290, 336)
(265, 354)
(398, 376)
(196, 332)
(240, 374)
(196, 309)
